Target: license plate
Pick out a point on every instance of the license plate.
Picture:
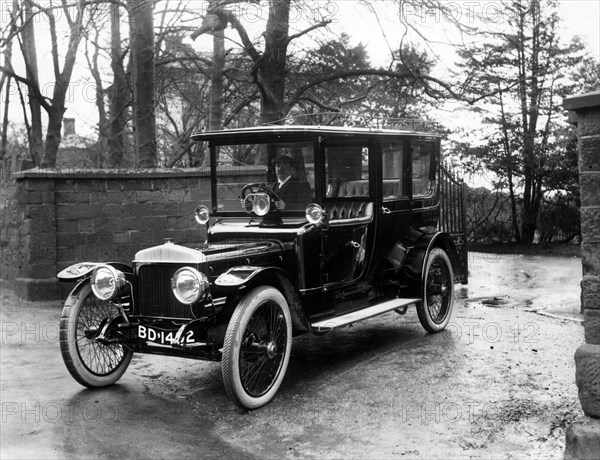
(163, 336)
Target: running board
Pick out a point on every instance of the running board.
(361, 315)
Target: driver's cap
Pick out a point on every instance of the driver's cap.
(283, 159)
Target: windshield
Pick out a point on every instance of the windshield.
(286, 168)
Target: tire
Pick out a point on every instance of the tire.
(257, 348)
(437, 292)
(91, 363)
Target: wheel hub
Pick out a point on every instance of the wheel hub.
(271, 349)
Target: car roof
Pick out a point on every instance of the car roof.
(274, 130)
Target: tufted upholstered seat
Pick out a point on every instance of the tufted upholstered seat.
(360, 188)
(352, 188)
(349, 212)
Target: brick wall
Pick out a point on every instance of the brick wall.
(68, 217)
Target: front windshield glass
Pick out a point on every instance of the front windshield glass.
(286, 168)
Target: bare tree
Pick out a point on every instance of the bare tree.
(270, 65)
(54, 106)
(5, 79)
(28, 50)
(519, 70)
(141, 33)
(120, 92)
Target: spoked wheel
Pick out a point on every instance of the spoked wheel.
(257, 348)
(88, 342)
(438, 292)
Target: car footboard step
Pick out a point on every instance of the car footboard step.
(361, 315)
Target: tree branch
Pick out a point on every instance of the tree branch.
(43, 99)
(425, 79)
(54, 42)
(248, 45)
(326, 107)
(238, 109)
(307, 30)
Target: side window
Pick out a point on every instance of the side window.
(347, 170)
(423, 174)
(394, 169)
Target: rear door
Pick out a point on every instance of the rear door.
(349, 200)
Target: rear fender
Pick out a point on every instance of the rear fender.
(414, 265)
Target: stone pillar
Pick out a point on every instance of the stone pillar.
(583, 439)
(36, 275)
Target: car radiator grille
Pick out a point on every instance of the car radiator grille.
(155, 297)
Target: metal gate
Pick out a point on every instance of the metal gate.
(453, 217)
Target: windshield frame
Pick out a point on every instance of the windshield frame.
(301, 138)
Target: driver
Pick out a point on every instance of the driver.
(293, 193)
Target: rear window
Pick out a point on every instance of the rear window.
(347, 170)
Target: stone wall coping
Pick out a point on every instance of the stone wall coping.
(90, 173)
(582, 101)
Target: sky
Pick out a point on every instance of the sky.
(578, 17)
(379, 28)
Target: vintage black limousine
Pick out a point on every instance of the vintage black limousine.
(309, 229)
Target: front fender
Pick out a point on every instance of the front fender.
(83, 270)
(239, 278)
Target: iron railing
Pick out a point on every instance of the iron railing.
(453, 216)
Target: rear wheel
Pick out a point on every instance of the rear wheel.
(88, 343)
(438, 292)
(257, 348)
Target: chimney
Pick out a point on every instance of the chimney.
(68, 127)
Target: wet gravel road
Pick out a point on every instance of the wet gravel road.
(499, 383)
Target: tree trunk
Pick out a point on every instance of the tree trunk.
(141, 26)
(528, 224)
(273, 65)
(4, 138)
(513, 208)
(215, 119)
(510, 167)
(53, 135)
(57, 107)
(103, 122)
(215, 116)
(35, 108)
(6, 80)
(119, 100)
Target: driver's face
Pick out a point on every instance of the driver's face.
(282, 170)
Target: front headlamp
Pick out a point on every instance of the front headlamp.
(202, 215)
(189, 285)
(107, 281)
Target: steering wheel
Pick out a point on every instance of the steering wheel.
(259, 187)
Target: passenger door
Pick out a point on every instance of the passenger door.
(349, 205)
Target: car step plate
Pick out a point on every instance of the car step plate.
(361, 315)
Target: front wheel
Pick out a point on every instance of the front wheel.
(89, 349)
(257, 348)
(437, 293)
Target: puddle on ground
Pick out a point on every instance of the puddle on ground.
(533, 283)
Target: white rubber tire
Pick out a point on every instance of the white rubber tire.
(437, 322)
(235, 339)
(83, 367)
